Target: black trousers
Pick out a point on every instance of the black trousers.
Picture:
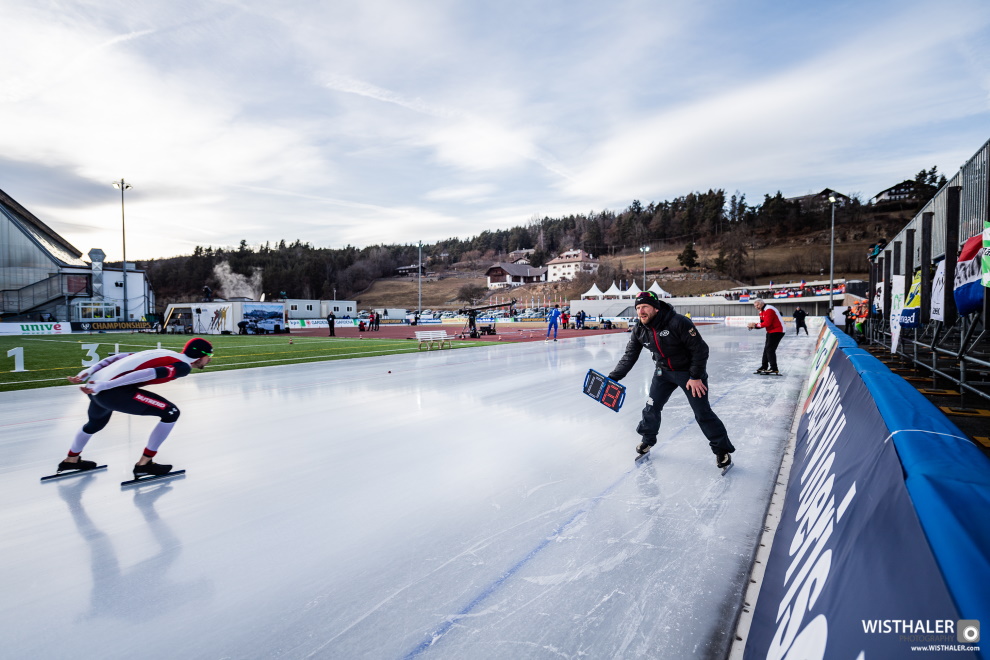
(797, 328)
(770, 350)
(663, 385)
(128, 400)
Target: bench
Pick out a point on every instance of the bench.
(432, 338)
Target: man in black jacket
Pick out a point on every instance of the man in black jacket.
(681, 356)
(799, 316)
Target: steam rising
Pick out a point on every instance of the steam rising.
(233, 285)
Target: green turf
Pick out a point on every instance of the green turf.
(50, 359)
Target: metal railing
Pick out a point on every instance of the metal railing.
(57, 286)
(955, 349)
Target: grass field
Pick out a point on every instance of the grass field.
(49, 359)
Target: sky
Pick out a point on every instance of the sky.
(396, 121)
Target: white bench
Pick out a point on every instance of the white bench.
(432, 338)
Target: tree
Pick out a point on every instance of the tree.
(688, 257)
(471, 293)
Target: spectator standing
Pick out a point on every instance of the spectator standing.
(771, 321)
(850, 320)
(799, 316)
(331, 320)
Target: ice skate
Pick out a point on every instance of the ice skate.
(643, 452)
(724, 462)
(78, 466)
(151, 469)
(67, 469)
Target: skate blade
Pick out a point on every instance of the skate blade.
(152, 478)
(727, 468)
(65, 474)
(642, 458)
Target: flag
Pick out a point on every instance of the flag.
(802, 284)
(771, 284)
(967, 289)
(986, 253)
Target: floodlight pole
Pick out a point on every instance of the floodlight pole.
(831, 266)
(419, 271)
(122, 186)
(644, 250)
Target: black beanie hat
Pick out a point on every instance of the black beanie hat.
(197, 347)
(648, 298)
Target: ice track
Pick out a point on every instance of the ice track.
(469, 504)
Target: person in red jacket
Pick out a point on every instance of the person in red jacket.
(112, 386)
(769, 319)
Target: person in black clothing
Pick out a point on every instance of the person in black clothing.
(331, 318)
(681, 356)
(799, 316)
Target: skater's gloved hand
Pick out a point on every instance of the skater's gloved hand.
(612, 376)
(95, 388)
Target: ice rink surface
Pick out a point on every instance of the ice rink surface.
(469, 504)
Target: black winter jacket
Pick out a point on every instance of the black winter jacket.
(674, 341)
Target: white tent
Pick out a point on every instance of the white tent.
(613, 291)
(655, 288)
(632, 291)
(594, 293)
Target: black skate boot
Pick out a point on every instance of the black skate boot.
(760, 372)
(151, 469)
(78, 466)
(723, 461)
(643, 451)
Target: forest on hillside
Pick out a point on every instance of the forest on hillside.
(731, 226)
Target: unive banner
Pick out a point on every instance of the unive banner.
(850, 573)
(35, 328)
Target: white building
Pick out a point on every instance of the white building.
(569, 264)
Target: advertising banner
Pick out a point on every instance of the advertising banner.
(35, 328)
(850, 573)
(967, 287)
(986, 253)
(896, 305)
(937, 305)
(108, 326)
(911, 312)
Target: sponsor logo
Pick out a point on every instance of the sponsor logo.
(151, 402)
(41, 328)
(112, 325)
(665, 333)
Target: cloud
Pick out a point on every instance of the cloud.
(388, 121)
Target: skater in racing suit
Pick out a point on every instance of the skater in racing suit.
(112, 386)
(681, 356)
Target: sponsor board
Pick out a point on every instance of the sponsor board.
(849, 554)
(35, 328)
(105, 326)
